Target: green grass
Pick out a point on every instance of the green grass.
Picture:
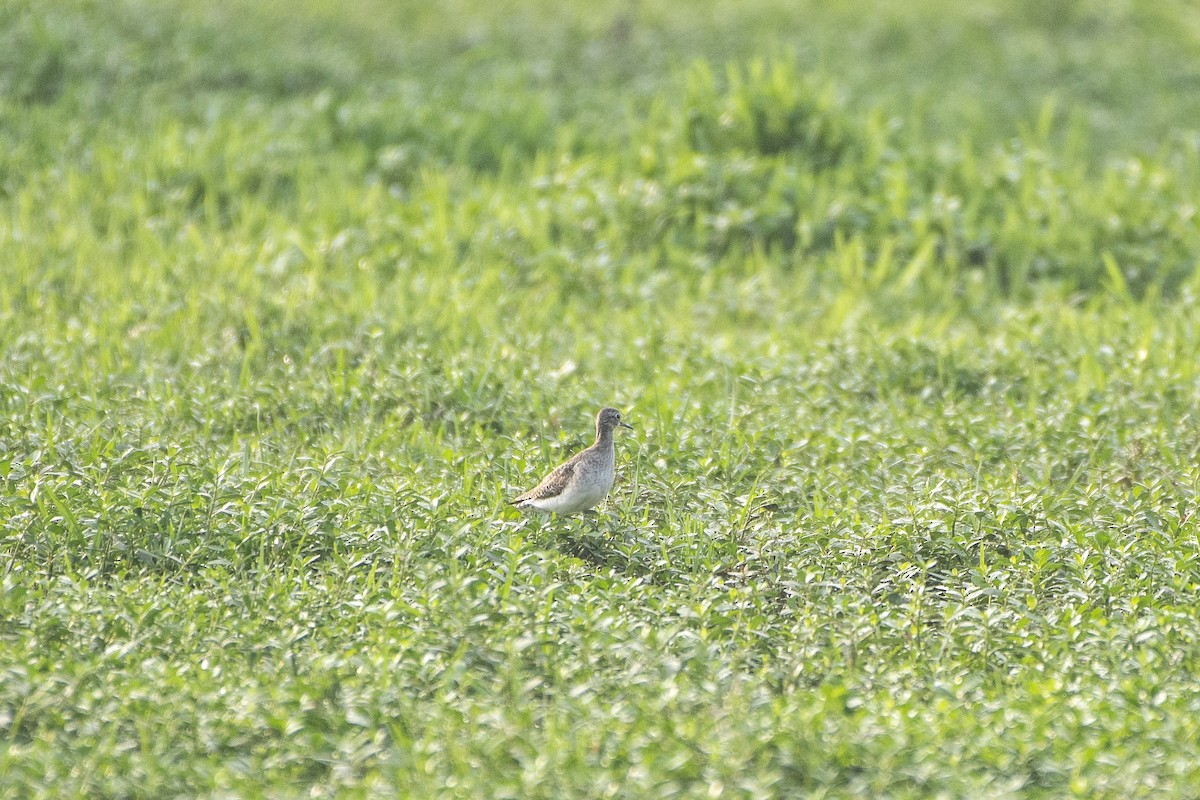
(901, 303)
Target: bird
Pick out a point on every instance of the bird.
(581, 481)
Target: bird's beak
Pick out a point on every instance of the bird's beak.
(624, 425)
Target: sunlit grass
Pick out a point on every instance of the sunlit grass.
(293, 302)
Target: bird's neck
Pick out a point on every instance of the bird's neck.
(604, 437)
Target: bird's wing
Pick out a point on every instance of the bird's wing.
(552, 485)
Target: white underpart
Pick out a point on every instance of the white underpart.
(577, 498)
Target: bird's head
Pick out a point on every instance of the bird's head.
(610, 418)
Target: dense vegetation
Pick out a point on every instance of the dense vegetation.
(899, 300)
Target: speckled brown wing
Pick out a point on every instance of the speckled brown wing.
(552, 485)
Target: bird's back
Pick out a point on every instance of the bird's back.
(577, 484)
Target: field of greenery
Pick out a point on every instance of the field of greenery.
(899, 297)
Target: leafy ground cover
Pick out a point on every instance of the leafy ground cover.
(900, 301)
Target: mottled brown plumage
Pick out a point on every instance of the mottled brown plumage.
(581, 481)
